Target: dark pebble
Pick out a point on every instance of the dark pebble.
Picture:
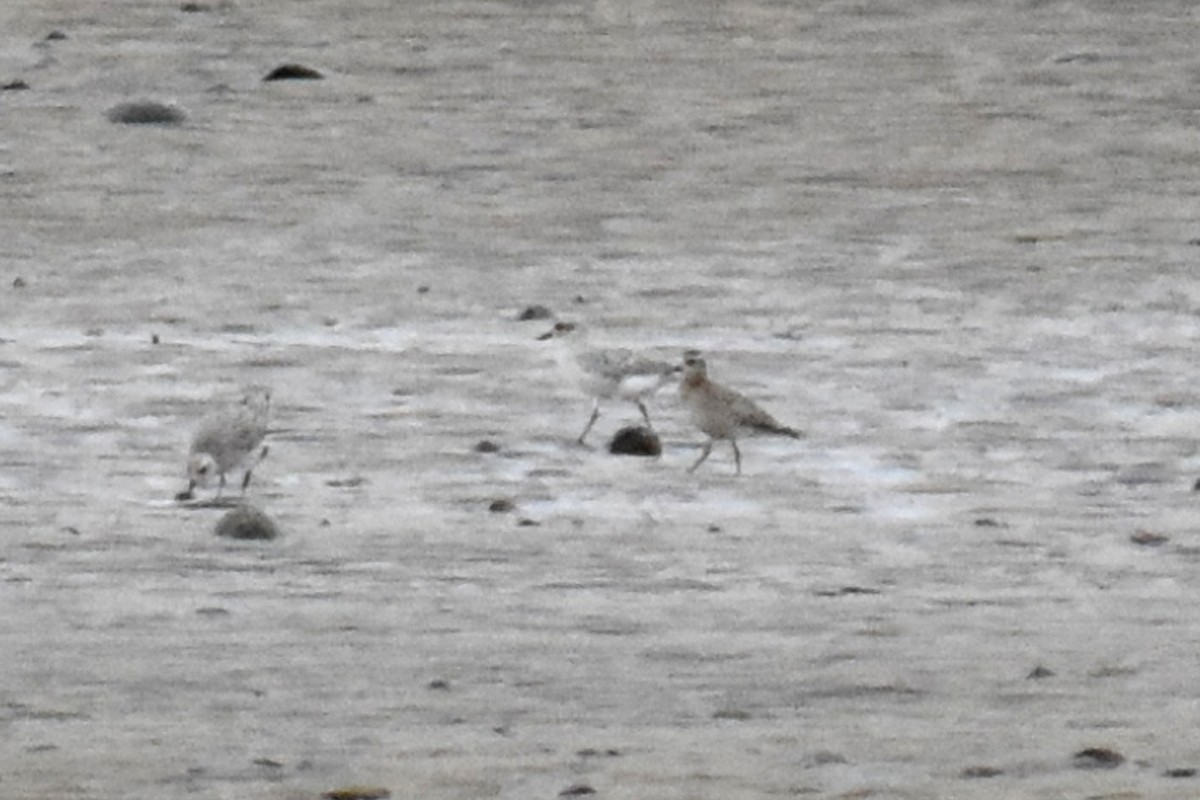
(293, 72)
(846, 591)
(1039, 672)
(486, 446)
(246, 522)
(534, 312)
(15, 86)
(1180, 772)
(525, 522)
(55, 36)
(1149, 538)
(576, 789)
(980, 772)
(501, 506)
(635, 441)
(194, 8)
(19, 283)
(145, 112)
(154, 339)
(739, 714)
(822, 758)
(714, 528)
(439, 684)
(346, 483)
(1098, 758)
(1196, 485)
(357, 793)
(593, 752)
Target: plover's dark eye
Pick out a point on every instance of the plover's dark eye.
(203, 470)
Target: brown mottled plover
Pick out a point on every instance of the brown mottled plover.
(721, 412)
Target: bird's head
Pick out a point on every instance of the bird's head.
(201, 468)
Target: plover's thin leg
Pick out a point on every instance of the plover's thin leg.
(592, 421)
(708, 446)
(642, 407)
(220, 486)
(249, 470)
(737, 456)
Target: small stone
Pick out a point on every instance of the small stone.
(486, 446)
(154, 338)
(1149, 538)
(1180, 772)
(246, 522)
(714, 528)
(293, 72)
(1098, 758)
(576, 790)
(423, 289)
(346, 483)
(594, 752)
(19, 283)
(986, 522)
(525, 522)
(145, 112)
(980, 772)
(439, 684)
(194, 8)
(738, 714)
(534, 312)
(55, 36)
(635, 441)
(821, 758)
(15, 86)
(501, 505)
(1039, 672)
(357, 793)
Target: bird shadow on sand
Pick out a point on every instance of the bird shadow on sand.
(216, 502)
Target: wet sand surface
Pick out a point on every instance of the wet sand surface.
(954, 243)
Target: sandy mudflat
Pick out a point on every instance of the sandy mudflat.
(955, 242)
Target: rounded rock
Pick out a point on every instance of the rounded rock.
(146, 112)
(247, 522)
(635, 441)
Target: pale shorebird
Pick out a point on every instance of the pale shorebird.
(608, 373)
(721, 412)
(228, 440)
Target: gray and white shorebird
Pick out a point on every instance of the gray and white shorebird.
(607, 373)
(229, 440)
(721, 412)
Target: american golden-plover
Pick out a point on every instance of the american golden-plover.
(722, 413)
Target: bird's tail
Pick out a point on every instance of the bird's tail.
(783, 430)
